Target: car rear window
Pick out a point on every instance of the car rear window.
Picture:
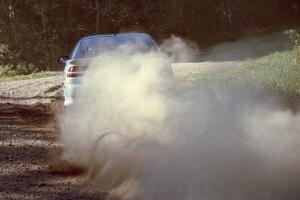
(91, 47)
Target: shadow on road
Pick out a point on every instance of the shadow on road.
(28, 136)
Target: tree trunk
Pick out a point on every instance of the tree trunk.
(70, 13)
(97, 15)
(44, 27)
(12, 21)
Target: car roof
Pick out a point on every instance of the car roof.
(116, 35)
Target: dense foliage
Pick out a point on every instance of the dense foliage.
(33, 33)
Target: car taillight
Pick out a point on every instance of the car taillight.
(69, 75)
(75, 71)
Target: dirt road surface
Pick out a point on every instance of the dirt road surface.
(32, 91)
(29, 142)
(185, 69)
(28, 145)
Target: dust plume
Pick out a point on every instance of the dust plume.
(180, 50)
(142, 135)
(247, 47)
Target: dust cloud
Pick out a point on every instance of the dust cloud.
(142, 135)
(247, 47)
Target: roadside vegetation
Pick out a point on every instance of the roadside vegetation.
(32, 37)
(16, 76)
(279, 72)
(20, 71)
(34, 33)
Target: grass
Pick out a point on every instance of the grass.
(29, 76)
(279, 73)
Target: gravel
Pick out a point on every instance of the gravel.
(29, 147)
(32, 91)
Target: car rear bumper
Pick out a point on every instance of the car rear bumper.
(70, 91)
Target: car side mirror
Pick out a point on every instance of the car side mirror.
(62, 59)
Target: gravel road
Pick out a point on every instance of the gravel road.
(28, 139)
(27, 145)
(32, 91)
(29, 168)
(184, 69)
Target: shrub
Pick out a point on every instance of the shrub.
(279, 73)
(7, 70)
(4, 51)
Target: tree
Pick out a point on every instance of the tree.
(38, 31)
